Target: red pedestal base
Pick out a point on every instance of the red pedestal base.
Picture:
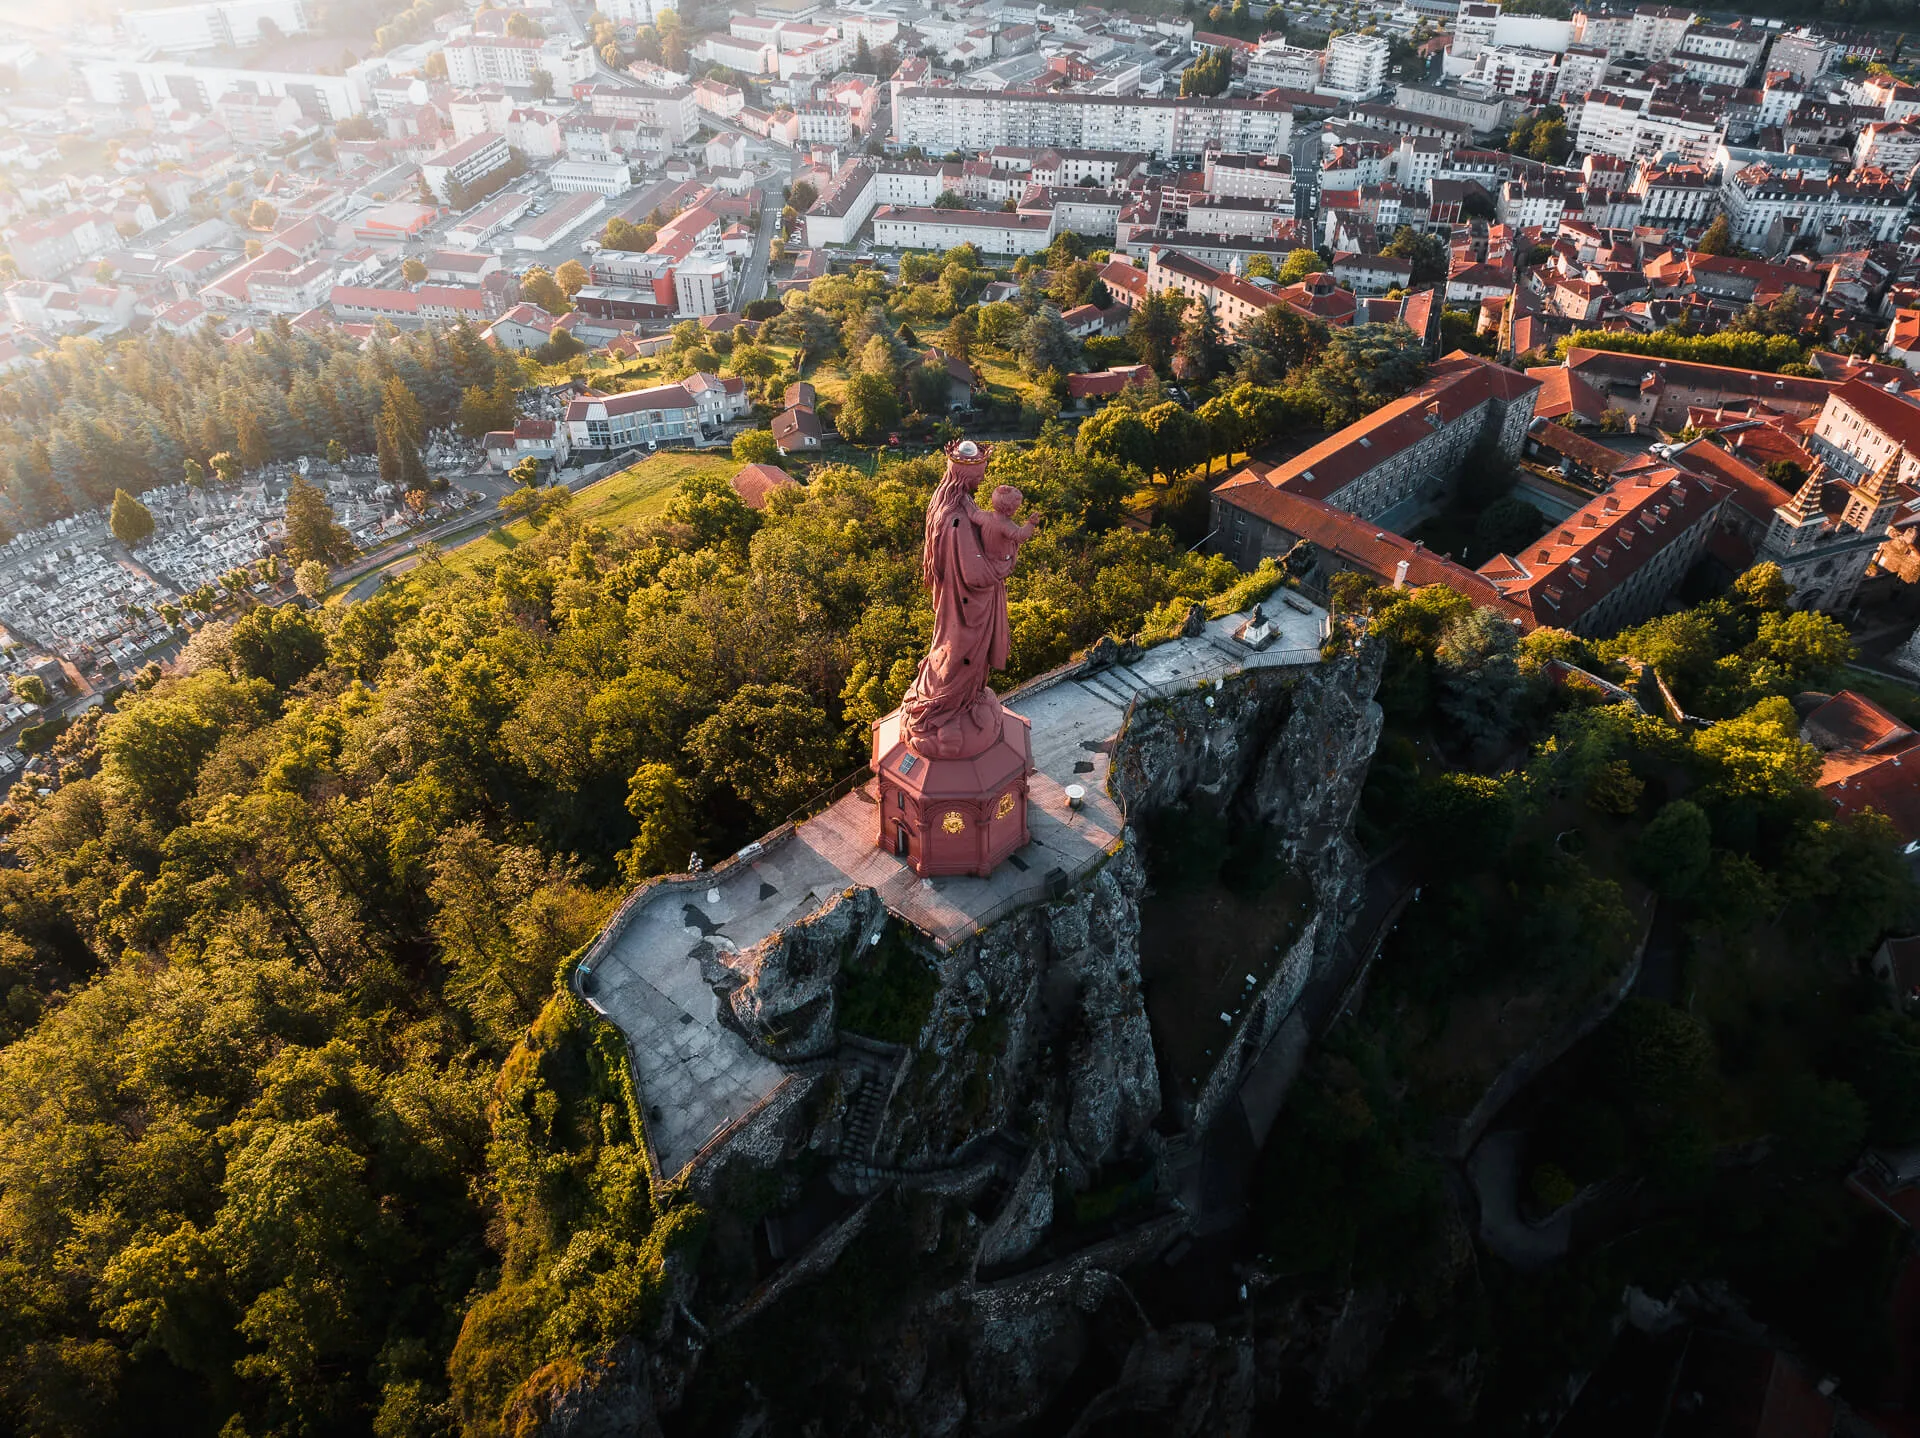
(953, 816)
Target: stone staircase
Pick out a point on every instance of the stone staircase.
(868, 1079)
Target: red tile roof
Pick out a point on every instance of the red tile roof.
(1602, 545)
(1564, 392)
(1122, 277)
(1853, 721)
(1757, 495)
(1894, 416)
(1107, 381)
(1356, 542)
(1887, 783)
(754, 483)
(1454, 385)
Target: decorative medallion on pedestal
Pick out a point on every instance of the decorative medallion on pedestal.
(952, 764)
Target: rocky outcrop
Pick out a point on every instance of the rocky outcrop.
(784, 1001)
(1037, 1061)
(607, 1396)
(1038, 1031)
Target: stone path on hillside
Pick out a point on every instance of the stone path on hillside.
(695, 1075)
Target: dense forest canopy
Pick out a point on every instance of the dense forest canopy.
(94, 418)
(277, 1143)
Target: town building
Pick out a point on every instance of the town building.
(222, 25)
(1356, 66)
(1614, 561)
(993, 232)
(940, 120)
(1388, 468)
(462, 166)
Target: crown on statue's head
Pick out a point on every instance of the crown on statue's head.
(967, 459)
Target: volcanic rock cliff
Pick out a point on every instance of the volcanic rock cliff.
(1032, 1082)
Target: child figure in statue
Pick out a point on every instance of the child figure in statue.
(1000, 536)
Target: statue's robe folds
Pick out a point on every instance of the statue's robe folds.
(948, 712)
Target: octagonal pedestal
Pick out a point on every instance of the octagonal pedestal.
(953, 816)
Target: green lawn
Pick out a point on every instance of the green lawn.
(632, 494)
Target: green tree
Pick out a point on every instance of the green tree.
(539, 286)
(1298, 265)
(770, 744)
(1116, 432)
(280, 645)
(869, 410)
(312, 579)
(1209, 75)
(572, 277)
(31, 688)
(661, 802)
(1759, 754)
(413, 270)
(1718, 239)
(312, 531)
(1427, 252)
(1482, 690)
(131, 521)
(1154, 329)
(1361, 368)
(755, 448)
(1673, 852)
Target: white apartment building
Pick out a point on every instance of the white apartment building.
(1250, 219)
(1637, 129)
(837, 215)
(1739, 49)
(47, 249)
(1473, 31)
(1276, 65)
(703, 285)
(474, 60)
(1250, 177)
(478, 113)
(1657, 30)
(913, 182)
(969, 120)
(135, 83)
(1582, 68)
(1676, 195)
(1356, 66)
(464, 164)
(992, 232)
(187, 29)
(601, 177)
(822, 122)
(750, 57)
(1802, 54)
(1765, 207)
(1524, 74)
(672, 111)
(1893, 146)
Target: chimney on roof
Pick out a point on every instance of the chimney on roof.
(1400, 574)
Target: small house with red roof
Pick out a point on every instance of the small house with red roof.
(756, 481)
(1105, 384)
(1870, 760)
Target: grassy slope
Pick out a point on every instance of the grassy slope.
(632, 494)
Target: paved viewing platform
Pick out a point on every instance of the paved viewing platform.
(695, 1075)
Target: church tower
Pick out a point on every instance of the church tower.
(1872, 502)
(1799, 523)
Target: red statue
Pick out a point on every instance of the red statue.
(952, 765)
(949, 712)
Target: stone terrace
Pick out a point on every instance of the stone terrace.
(695, 1075)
